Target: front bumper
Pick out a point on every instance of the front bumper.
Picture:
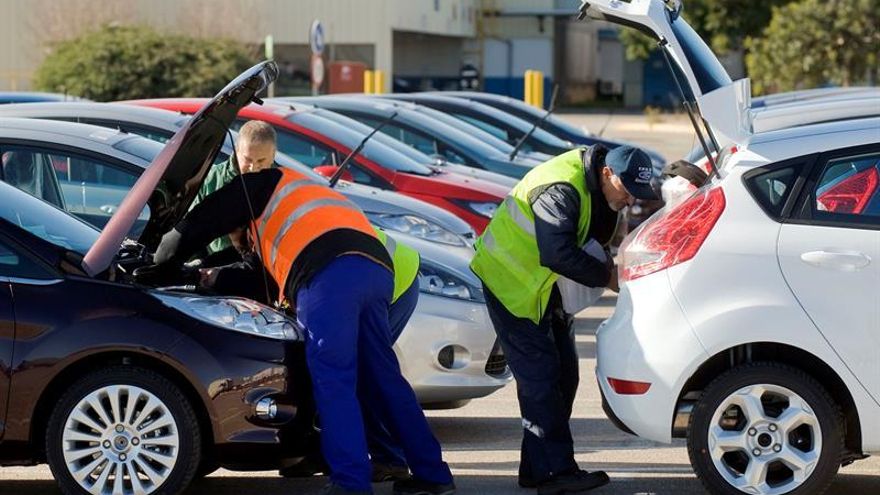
(233, 373)
(647, 339)
(439, 322)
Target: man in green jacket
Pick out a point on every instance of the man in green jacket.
(254, 151)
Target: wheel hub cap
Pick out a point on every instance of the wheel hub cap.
(765, 440)
(120, 440)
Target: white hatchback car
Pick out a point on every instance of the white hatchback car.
(748, 319)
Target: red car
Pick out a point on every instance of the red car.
(322, 144)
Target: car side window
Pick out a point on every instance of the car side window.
(88, 188)
(491, 129)
(304, 150)
(772, 187)
(15, 264)
(849, 187)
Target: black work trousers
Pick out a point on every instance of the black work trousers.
(544, 361)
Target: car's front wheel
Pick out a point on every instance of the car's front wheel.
(765, 429)
(123, 430)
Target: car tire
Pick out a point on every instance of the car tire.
(128, 420)
(764, 428)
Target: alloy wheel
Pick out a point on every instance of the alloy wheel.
(765, 440)
(120, 440)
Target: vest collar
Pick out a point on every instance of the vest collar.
(592, 156)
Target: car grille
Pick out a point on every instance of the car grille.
(497, 363)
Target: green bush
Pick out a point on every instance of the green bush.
(809, 43)
(129, 62)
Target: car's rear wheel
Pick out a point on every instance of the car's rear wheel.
(765, 429)
(123, 430)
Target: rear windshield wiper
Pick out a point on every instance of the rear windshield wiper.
(540, 121)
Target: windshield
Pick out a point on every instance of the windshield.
(475, 139)
(373, 150)
(707, 69)
(143, 148)
(45, 221)
(380, 137)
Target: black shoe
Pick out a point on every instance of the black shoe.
(389, 472)
(415, 486)
(332, 489)
(305, 469)
(577, 482)
(527, 482)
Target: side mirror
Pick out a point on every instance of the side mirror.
(328, 171)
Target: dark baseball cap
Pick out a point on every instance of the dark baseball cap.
(635, 170)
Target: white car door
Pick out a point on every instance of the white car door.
(829, 252)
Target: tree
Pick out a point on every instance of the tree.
(117, 63)
(724, 24)
(809, 43)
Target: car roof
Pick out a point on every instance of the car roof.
(34, 96)
(815, 138)
(814, 111)
(110, 111)
(84, 136)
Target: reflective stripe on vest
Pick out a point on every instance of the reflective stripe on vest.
(299, 211)
(405, 260)
(507, 258)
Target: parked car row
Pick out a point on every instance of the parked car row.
(748, 319)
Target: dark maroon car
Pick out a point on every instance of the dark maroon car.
(128, 389)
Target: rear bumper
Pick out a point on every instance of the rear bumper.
(646, 340)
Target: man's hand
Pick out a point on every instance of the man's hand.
(612, 282)
(208, 277)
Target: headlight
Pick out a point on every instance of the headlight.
(232, 313)
(415, 226)
(438, 281)
(485, 209)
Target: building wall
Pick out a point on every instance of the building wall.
(346, 22)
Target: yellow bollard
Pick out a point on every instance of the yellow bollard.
(369, 82)
(379, 82)
(538, 89)
(527, 90)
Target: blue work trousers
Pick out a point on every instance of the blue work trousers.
(383, 447)
(544, 361)
(344, 310)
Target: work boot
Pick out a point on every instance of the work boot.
(414, 486)
(334, 489)
(389, 472)
(576, 482)
(526, 481)
(306, 468)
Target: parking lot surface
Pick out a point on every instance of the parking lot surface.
(481, 443)
(481, 440)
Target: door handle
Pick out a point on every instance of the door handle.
(848, 261)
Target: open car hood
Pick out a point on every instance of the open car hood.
(173, 179)
(723, 104)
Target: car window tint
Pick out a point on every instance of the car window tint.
(88, 188)
(849, 186)
(31, 172)
(491, 129)
(773, 187)
(13, 263)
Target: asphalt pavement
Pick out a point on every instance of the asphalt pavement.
(481, 443)
(481, 440)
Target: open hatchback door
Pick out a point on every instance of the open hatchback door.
(716, 103)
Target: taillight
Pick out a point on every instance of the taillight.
(852, 194)
(673, 237)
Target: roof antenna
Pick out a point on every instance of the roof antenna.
(537, 123)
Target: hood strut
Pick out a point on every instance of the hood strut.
(692, 113)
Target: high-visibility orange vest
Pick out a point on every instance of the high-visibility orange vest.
(299, 211)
